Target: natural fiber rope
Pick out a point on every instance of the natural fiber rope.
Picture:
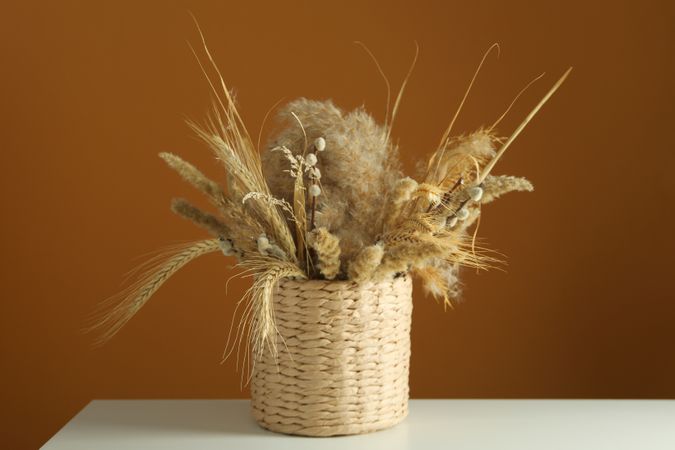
(344, 355)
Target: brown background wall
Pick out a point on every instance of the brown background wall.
(91, 93)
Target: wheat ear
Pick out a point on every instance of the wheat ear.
(115, 312)
(257, 328)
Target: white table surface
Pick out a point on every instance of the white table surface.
(432, 424)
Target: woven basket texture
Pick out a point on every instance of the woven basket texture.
(343, 358)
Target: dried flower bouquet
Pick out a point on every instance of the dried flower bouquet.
(328, 200)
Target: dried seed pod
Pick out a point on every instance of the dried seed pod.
(475, 193)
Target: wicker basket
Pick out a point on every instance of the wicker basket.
(344, 355)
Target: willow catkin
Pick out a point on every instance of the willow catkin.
(195, 177)
(205, 220)
(496, 186)
(327, 248)
(366, 262)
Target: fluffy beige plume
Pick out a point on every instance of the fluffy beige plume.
(460, 158)
(327, 248)
(366, 262)
(359, 168)
(440, 280)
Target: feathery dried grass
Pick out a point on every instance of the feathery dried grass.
(245, 176)
(496, 186)
(440, 280)
(227, 136)
(459, 158)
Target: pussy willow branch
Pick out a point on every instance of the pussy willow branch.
(447, 195)
(313, 211)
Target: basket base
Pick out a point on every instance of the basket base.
(329, 430)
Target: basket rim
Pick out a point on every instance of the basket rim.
(347, 283)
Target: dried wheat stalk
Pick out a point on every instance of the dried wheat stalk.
(118, 310)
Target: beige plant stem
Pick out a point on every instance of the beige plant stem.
(521, 127)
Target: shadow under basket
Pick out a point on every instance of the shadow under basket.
(343, 358)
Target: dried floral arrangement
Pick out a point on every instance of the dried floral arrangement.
(328, 199)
